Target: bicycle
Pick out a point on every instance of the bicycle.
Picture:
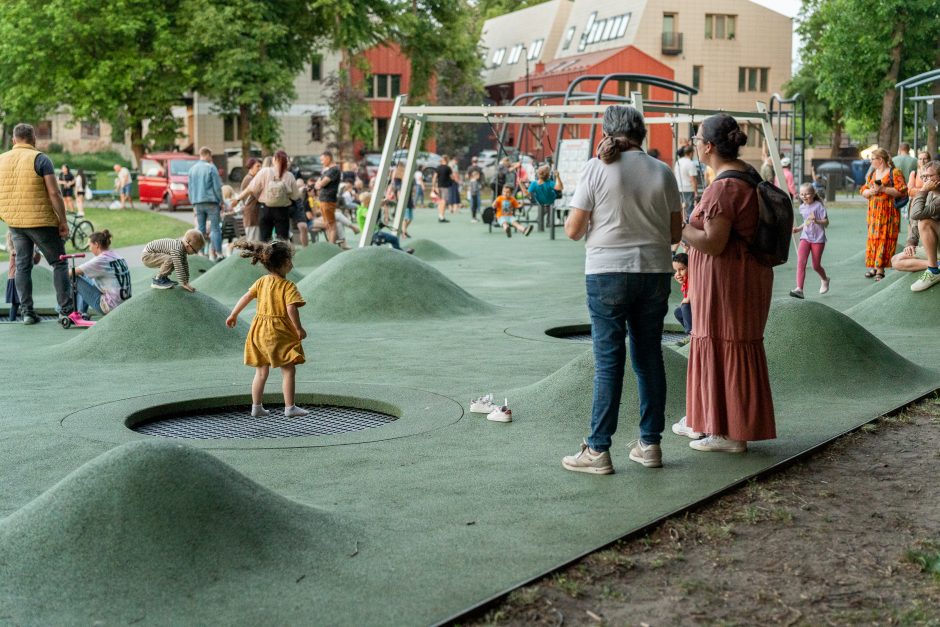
(80, 231)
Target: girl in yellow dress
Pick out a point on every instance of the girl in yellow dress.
(275, 334)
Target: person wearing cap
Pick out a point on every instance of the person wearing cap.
(788, 175)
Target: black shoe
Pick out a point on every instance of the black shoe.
(443, 220)
(30, 318)
(509, 232)
(528, 230)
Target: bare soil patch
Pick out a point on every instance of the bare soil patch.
(848, 536)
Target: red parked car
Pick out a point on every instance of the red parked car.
(164, 179)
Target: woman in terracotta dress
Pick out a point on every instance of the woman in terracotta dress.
(728, 399)
(885, 184)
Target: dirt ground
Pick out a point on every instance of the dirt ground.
(848, 536)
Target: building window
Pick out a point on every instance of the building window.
(383, 86)
(316, 128)
(754, 136)
(627, 88)
(602, 30)
(718, 26)
(316, 67)
(569, 35)
(697, 77)
(381, 130)
(752, 78)
(536, 49)
(498, 57)
(231, 131)
(91, 130)
(44, 130)
(514, 54)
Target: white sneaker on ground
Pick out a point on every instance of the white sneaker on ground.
(650, 455)
(258, 411)
(586, 461)
(824, 286)
(682, 428)
(796, 293)
(927, 280)
(483, 405)
(500, 414)
(295, 412)
(719, 444)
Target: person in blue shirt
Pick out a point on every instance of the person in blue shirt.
(544, 191)
(205, 192)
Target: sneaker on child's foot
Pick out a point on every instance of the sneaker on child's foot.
(682, 428)
(587, 461)
(719, 444)
(295, 412)
(500, 414)
(483, 405)
(509, 232)
(258, 411)
(824, 286)
(797, 293)
(528, 230)
(650, 455)
(927, 280)
(161, 283)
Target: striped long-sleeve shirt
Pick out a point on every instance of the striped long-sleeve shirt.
(176, 249)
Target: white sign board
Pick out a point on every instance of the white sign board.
(573, 154)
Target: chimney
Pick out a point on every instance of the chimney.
(540, 67)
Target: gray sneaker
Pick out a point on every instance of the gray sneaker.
(650, 455)
(30, 317)
(585, 461)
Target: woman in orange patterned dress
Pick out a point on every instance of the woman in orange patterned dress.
(885, 184)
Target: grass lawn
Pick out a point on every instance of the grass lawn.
(128, 227)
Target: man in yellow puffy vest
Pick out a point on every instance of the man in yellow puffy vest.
(32, 207)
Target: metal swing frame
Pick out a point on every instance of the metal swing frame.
(592, 114)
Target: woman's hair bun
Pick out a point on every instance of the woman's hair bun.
(737, 137)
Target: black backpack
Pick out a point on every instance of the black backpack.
(772, 239)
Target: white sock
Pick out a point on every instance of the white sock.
(258, 411)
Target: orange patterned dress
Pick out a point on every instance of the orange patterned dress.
(884, 220)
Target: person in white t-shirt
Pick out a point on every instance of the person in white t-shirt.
(687, 179)
(627, 204)
(104, 282)
(123, 185)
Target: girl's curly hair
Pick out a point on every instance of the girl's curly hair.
(272, 255)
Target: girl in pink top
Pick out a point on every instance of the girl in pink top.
(812, 239)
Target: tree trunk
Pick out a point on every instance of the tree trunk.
(137, 141)
(888, 132)
(836, 139)
(244, 129)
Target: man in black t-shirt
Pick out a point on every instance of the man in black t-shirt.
(328, 191)
(441, 186)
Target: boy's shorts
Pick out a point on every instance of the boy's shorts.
(506, 220)
(126, 190)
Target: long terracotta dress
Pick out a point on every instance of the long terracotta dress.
(728, 387)
(884, 221)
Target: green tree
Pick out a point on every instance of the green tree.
(495, 8)
(859, 49)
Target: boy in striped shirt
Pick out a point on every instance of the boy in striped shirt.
(169, 255)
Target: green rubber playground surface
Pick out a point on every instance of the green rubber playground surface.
(409, 523)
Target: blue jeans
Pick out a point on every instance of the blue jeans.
(47, 239)
(683, 314)
(211, 211)
(382, 238)
(88, 295)
(622, 303)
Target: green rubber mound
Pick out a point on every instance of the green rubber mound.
(315, 255)
(566, 395)
(230, 279)
(810, 345)
(429, 250)
(380, 283)
(148, 522)
(159, 325)
(898, 307)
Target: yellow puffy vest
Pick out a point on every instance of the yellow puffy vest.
(24, 202)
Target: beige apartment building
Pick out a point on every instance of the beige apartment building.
(734, 52)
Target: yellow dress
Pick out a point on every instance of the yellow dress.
(272, 340)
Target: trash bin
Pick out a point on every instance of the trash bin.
(859, 170)
(831, 188)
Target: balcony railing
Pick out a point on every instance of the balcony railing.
(672, 43)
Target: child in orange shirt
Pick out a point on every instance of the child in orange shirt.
(275, 334)
(505, 205)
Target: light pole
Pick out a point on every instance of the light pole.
(526, 58)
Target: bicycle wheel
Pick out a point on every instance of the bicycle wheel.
(81, 233)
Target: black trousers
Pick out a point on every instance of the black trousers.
(274, 219)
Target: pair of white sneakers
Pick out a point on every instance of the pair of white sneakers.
(258, 411)
(486, 405)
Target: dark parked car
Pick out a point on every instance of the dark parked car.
(306, 167)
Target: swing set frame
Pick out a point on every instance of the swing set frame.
(416, 118)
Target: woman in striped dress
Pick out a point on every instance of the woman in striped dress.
(885, 184)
